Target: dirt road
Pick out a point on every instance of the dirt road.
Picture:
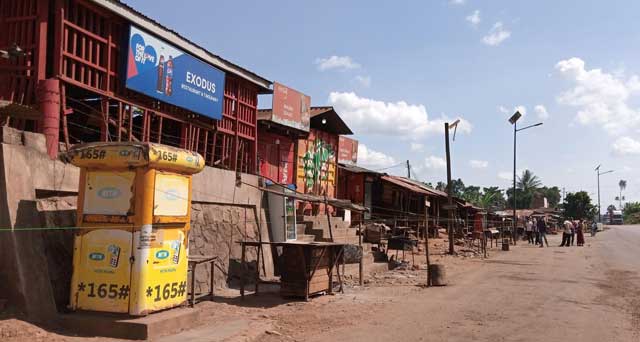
(589, 293)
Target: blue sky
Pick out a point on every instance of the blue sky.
(395, 70)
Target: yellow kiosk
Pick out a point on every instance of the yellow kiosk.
(130, 256)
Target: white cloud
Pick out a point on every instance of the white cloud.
(496, 35)
(508, 175)
(368, 116)
(478, 164)
(457, 2)
(474, 18)
(436, 163)
(601, 98)
(626, 146)
(504, 175)
(522, 109)
(364, 81)
(506, 111)
(340, 63)
(541, 112)
(416, 147)
(372, 158)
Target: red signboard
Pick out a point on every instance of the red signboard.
(290, 107)
(347, 150)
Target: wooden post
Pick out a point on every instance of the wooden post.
(360, 267)
(426, 243)
(243, 262)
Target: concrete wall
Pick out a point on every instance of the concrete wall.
(31, 186)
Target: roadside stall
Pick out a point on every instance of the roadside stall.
(130, 255)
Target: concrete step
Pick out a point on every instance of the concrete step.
(306, 238)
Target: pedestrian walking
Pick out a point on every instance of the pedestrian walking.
(542, 231)
(594, 228)
(529, 230)
(573, 230)
(566, 233)
(535, 232)
(580, 232)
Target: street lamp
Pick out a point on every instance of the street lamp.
(513, 120)
(597, 169)
(450, 206)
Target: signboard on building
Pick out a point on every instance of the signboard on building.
(290, 107)
(347, 150)
(162, 71)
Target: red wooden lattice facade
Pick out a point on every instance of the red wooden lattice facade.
(86, 53)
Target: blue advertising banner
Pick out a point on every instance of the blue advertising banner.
(160, 70)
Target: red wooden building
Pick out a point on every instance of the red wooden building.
(317, 167)
(83, 44)
(279, 129)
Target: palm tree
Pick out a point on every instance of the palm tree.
(528, 181)
(485, 200)
(623, 185)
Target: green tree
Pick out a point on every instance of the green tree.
(498, 202)
(528, 182)
(442, 186)
(526, 186)
(523, 199)
(631, 213)
(552, 194)
(578, 206)
(457, 187)
(471, 193)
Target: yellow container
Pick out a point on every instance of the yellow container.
(130, 256)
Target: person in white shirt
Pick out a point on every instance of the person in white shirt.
(529, 229)
(566, 233)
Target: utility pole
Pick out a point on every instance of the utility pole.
(597, 169)
(408, 169)
(514, 234)
(513, 120)
(449, 190)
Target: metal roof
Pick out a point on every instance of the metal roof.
(333, 123)
(149, 24)
(399, 182)
(356, 169)
(433, 192)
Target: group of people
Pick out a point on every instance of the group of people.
(536, 230)
(572, 231)
(571, 228)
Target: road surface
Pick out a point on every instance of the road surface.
(588, 293)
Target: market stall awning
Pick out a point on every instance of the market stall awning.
(334, 202)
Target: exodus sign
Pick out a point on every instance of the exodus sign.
(162, 71)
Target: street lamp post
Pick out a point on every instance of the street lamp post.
(597, 169)
(514, 120)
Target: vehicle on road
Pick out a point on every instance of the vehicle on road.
(615, 217)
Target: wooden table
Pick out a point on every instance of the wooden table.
(308, 267)
(194, 261)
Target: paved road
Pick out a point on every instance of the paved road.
(588, 293)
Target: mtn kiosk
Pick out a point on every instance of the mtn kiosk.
(130, 255)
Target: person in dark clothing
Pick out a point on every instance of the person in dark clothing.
(542, 231)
